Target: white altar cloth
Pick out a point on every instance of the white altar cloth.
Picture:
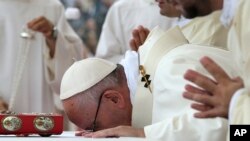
(65, 136)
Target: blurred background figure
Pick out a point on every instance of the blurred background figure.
(92, 16)
(122, 18)
(37, 45)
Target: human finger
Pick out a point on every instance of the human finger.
(120, 131)
(200, 80)
(136, 37)
(78, 133)
(214, 69)
(34, 21)
(205, 99)
(102, 133)
(239, 81)
(133, 45)
(82, 133)
(46, 31)
(147, 31)
(38, 26)
(193, 89)
(200, 107)
(142, 34)
(207, 114)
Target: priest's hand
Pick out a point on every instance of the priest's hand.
(120, 131)
(214, 97)
(44, 26)
(139, 36)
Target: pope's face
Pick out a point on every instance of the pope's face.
(90, 117)
(110, 111)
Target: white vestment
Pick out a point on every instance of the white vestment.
(207, 30)
(41, 75)
(122, 18)
(172, 117)
(238, 43)
(201, 31)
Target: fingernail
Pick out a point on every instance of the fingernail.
(189, 74)
(185, 94)
(205, 59)
(187, 86)
(197, 115)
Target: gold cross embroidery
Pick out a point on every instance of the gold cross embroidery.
(145, 78)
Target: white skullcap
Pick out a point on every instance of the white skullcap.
(84, 74)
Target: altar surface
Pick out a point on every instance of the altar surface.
(65, 136)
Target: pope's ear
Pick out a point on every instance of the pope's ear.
(114, 97)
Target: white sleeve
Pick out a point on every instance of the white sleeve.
(188, 128)
(240, 110)
(234, 101)
(111, 44)
(240, 103)
(239, 107)
(69, 47)
(130, 65)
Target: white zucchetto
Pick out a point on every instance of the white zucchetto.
(84, 74)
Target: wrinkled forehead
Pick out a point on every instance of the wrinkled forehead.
(84, 118)
(81, 116)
